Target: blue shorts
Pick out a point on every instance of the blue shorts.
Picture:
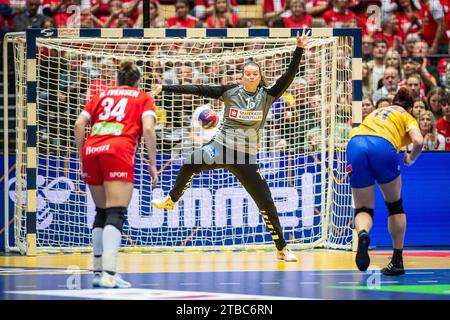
(371, 159)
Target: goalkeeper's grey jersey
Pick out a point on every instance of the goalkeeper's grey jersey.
(245, 113)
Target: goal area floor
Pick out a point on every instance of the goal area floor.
(319, 274)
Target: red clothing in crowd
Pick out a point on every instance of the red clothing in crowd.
(336, 19)
(304, 22)
(176, 22)
(389, 39)
(270, 5)
(429, 25)
(219, 23)
(443, 127)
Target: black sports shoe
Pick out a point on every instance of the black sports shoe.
(362, 255)
(394, 270)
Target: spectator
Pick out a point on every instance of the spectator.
(409, 43)
(182, 19)
(7, 13)
(413, 84)
(130, 11)
(367, 48)
(443, 123)
(432, 140)
(48, 23)
(367, 87)
(377, 64)
(390, 32)
(204, 8)
(393, 59)
(222, 16)
(156, 20)
(275, 8)
(414, 65)
(421, 50)
(383, 103)
(298, 18)
(59, 11)
(408, 17)
(244, 23)
(434, 100)
(339, 14)
(391, 81)
(367, 106)
(433, 25)
(30, 18)
(317, 7)
(106, 74)
(419, 106)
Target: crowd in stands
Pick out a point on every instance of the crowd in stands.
(405, 42)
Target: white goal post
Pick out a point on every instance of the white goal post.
(302, 151)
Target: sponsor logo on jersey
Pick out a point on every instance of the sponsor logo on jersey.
(91, 150)
(246, 114)
(107, 128)
(118, 174)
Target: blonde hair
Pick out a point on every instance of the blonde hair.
(422, 114)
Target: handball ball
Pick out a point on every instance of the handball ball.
(208, 119)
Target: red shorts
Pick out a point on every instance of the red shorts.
(106, 167)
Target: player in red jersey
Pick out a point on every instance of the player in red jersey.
(119, 117)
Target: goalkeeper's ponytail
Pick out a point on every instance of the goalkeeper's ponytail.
(128, 73)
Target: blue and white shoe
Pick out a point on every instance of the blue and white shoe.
(96, 280)
(115, 281)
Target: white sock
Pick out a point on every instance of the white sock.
(97, 243)
(111, 243)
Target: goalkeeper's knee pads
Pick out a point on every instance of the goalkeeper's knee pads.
(100, 218)
(395, 207)
(115, 216)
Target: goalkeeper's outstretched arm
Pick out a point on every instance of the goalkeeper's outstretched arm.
(214, 92)
(286, 79)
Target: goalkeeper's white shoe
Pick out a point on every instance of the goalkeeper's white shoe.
(163, 203)
(115, 281)
(286, 255)
(96, 280)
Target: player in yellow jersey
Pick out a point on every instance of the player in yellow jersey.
(372, 156)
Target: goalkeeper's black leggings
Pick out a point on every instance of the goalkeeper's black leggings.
(245, 168)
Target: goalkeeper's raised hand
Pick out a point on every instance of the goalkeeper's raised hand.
(302, 39)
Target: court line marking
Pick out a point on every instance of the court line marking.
(368, 272)
(269, 283)
(189, 283)
(306, 282)
(25, 286)
(230, 283)
(149, 284)
(388, 282)
(427, 281)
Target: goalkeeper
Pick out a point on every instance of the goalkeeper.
(372, 156)
(235, 145)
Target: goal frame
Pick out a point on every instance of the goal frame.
(31, 36)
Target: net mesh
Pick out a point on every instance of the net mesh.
(302, 148)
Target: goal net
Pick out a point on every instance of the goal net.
(302, 152)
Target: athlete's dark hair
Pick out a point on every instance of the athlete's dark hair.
(403, 98)
(128, 73)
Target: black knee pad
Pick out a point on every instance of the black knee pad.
(100, 218)
(115, 216)
(395, 207)
(364, 209)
